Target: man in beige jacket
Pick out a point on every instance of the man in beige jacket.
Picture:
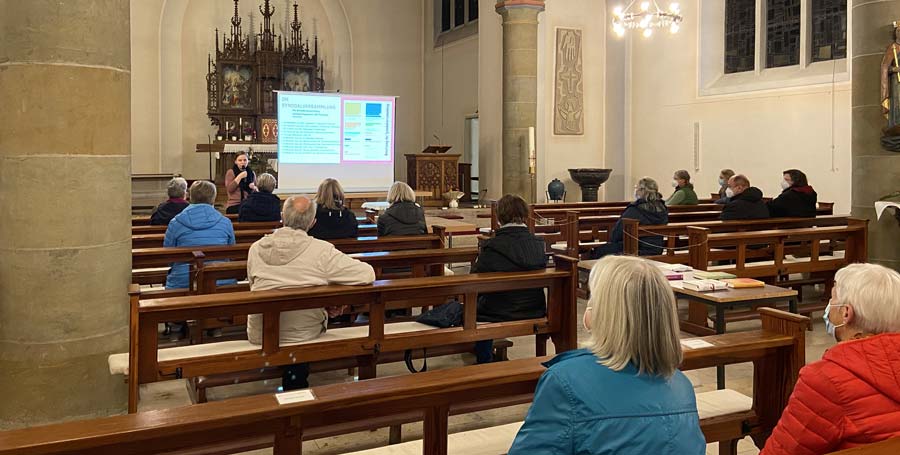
(290, 258)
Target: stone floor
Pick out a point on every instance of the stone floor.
(738, 377)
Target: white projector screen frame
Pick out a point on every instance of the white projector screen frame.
(340, 136)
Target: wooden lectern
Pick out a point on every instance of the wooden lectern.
(433, 170)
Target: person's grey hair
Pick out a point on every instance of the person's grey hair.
(266, 182)
(634, 319)
(683, 175)
(872, 290)
(177, 187)
(296, 219)
(727, 173)
(203, 192)
(648, 189)
(400, 191)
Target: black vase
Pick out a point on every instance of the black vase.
(556, 190)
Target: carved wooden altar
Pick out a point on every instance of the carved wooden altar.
(435, 172)
(241, 82)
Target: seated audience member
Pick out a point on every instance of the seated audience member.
(199, 224)
(163, 213)
(623, 394)
(261, 205)
(745, 202)
(404, 216)
(723, 185)
(797, 198)
(290, 258)
(852, 396)
(512, 249)
(649, 209)
(684, 190)
(333, 220)
(240, 182)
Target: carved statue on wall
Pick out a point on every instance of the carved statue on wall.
(890, 92)
(568, 118)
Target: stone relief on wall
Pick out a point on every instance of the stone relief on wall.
(568, 108)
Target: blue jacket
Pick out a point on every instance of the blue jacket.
(582, 407)
(196, 225)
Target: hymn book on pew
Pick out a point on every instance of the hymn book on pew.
(704, 285)
(742, 283)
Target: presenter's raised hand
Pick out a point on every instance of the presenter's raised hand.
(241, 176)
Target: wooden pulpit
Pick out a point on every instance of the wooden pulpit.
(435, 172)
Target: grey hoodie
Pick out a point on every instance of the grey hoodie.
(290, 258)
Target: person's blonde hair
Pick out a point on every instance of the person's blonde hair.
(634, 319)
(330, 194)
(874, 293)
(401, 192)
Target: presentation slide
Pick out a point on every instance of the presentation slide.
(342, 136)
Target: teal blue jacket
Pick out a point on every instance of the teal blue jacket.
(582, 407)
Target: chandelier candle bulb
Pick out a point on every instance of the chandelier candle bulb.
(646, 16)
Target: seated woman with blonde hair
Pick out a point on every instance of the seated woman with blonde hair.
(623, 394)
(852, 396)
(404, 216)
(333, 220)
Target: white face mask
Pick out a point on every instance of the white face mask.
(674, 183)
(729, 193)
(785, 184)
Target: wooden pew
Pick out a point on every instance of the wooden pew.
(886, 447)
(777, 351)
(159, 259)
(364, 229)
(146, 364)
(145, 220)
(675, 234)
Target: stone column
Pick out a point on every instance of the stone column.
(520, 23)
(65, 198)
(876, 172)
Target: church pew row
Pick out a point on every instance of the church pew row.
(886, 447)
(145, 220)
(364, 229)
(241, 236)
(777, 351)
(145, 363)
(151, 263)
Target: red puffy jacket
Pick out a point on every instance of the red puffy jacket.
(851, 397)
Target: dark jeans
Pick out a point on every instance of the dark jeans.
(484, 351)
(233, 210)
(295, 377)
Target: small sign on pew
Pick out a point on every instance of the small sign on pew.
(295, 396)
(695, 343)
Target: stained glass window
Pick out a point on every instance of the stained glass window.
(459, 13)
(829, 29)
(445, 15)
(782, 33)
(473, 10)
(740, 35)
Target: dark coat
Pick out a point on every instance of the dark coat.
(334, 224)
(402, 218)
(163, 213)
(648, 214)
(748, 205)
(794, 202)
(260, 206)
(512, 249)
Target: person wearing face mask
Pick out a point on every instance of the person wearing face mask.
(723, 185)
(744, 201)
(852, 396)
(649, 209)
(797, 198)
(240, 181)
(684, 190)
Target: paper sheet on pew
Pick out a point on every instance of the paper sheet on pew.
(695, 343)
(294, 396)
(881, 205)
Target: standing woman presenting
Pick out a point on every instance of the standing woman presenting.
(240, 181)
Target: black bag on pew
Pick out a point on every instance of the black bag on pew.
(444, 316)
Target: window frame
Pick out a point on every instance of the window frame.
(456, 32)
(712, 79)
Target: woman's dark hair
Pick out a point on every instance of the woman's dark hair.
(512, 209)
(797, 176)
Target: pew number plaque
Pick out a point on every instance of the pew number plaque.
(295, 396)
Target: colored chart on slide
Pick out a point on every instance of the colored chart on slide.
(368, 130)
